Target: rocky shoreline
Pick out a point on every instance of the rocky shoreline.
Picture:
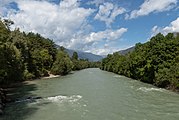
(2, 101)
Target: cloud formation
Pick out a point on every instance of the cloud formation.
(150, 6)
(103, 50)
(108, 12)
(96, 2)
(106, 35)
(89, 41)
(65, 22)
(4, 4)
(58, 22)
(173, 27)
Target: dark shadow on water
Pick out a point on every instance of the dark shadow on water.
(19, 110)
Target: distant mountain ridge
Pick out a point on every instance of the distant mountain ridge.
(124, 52)
(83, 55)
(92, 57)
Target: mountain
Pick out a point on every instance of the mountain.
(124, 52)
(176, 34)
(85, 55)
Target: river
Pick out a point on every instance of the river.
(93, 94)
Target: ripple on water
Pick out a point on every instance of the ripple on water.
(145, 89)
(117, 76)
(60, 98)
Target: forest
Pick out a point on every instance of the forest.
(155, 62)
(27, 56)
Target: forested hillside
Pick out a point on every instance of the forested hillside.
(85, 55)
(124, 52)
(155, 62)
(25, 56)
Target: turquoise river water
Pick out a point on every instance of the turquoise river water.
(92, 94)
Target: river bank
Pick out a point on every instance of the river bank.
(2, 101)
(169, 87)
(50, 76)
(5, 92)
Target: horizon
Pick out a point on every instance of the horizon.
(100, 27)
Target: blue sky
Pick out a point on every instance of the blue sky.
(97, 26)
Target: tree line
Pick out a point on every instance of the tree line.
(155, 62)
(25, 56)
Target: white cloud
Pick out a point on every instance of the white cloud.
(155, 30)
(108, 12)
(58, 22)
(104, 51)
(96, 2)
(106, 35)
(89, 42)
(4, 2)
(150, 6)
(66, 23)
(3, 6)
(173, 27)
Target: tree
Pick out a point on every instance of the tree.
(63, 65)
(11, 67)
(75, 56)
(8, 23)
(25, 56)
(155, 62)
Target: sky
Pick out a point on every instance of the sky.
(97, 26)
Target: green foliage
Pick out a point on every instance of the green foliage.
(26, 56)
(75, 56)
(23, 56)
(63, 65)
(154, 62)
(11, 67)
(79, 64)
(28, 75)
(8, 23)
